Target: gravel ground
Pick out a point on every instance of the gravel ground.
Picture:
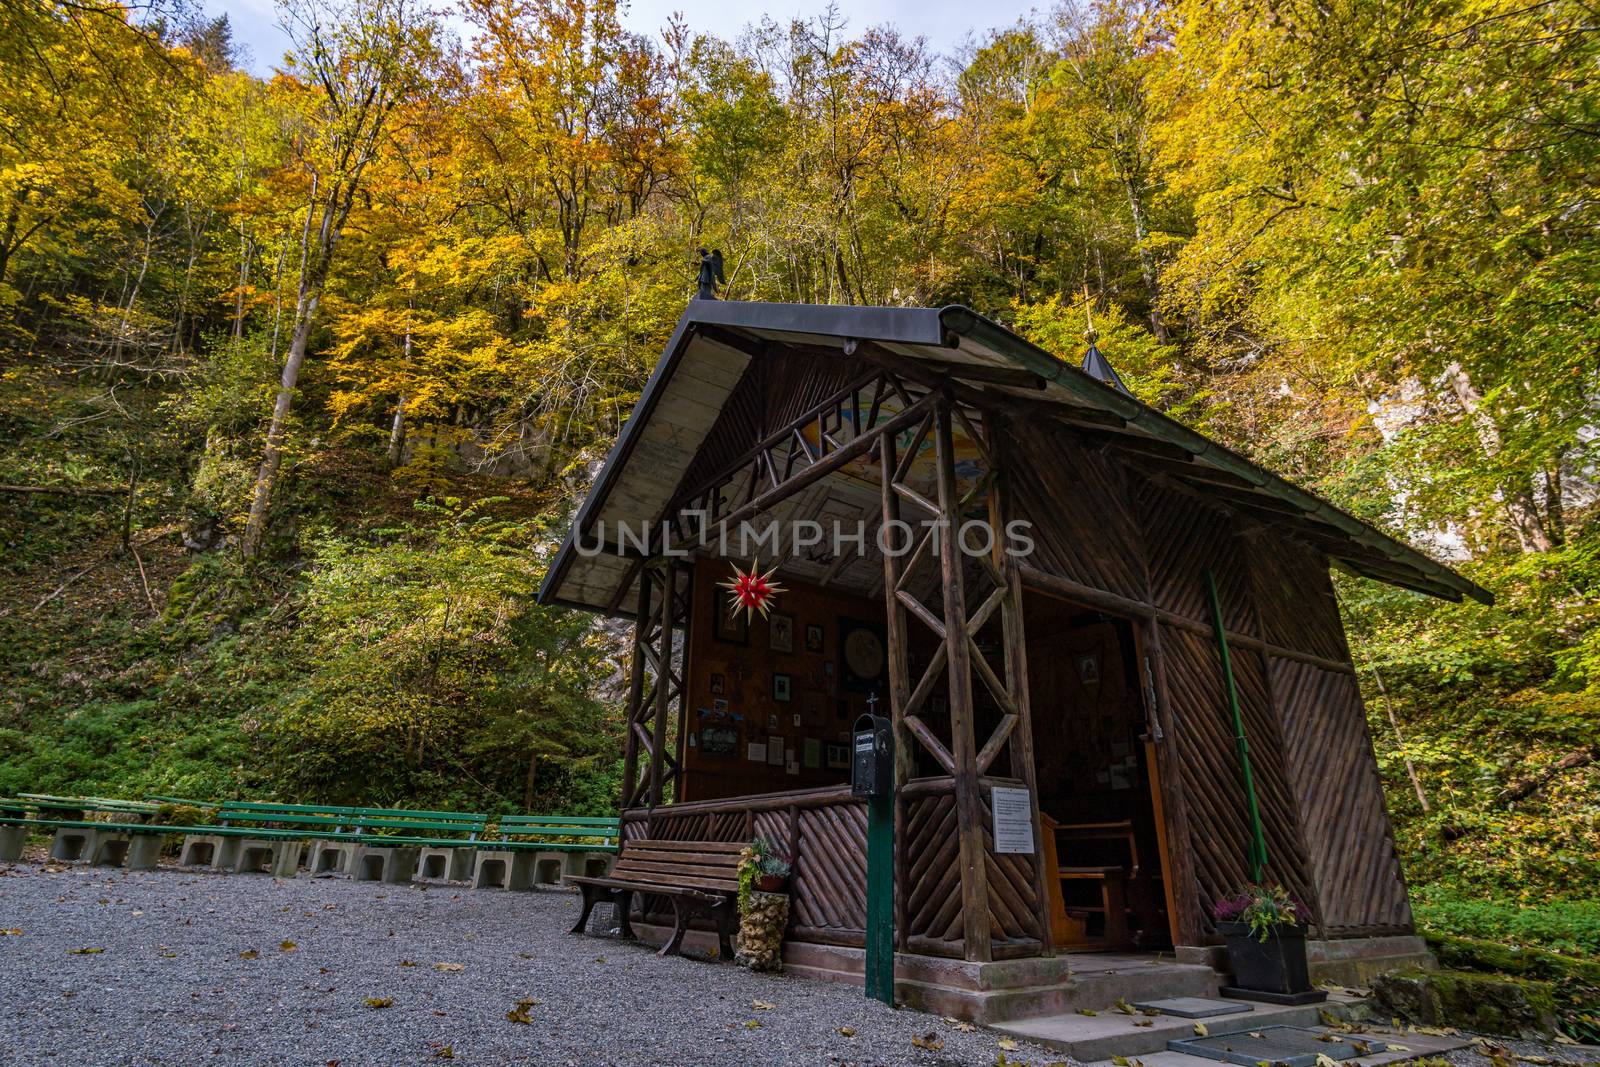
(191, 968)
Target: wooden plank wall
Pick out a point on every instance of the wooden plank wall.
(1328, 753)
(1106, 525)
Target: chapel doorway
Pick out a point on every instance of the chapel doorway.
(1099, 799)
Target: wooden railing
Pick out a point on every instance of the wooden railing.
(824, 831)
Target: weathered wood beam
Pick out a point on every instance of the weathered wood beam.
(899, 682)
(834, 461)
(969, 804)
(630, 746)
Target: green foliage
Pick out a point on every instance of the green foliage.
(1570, 927)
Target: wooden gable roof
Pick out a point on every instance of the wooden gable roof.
(735, 370)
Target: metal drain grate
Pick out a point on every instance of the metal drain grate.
(1288, 1046)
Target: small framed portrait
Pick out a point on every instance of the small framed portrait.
(838, 756)
(813, 638)
(719, 685)
(780, 634)
(730, 627)
(780, 687)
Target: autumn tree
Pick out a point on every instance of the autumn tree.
(353, 71)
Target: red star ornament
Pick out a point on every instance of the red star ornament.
(752, 591)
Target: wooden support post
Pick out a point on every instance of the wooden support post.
(630, 741)
(664, 687)
(1016, 668)
(975, 921)
(899, 682)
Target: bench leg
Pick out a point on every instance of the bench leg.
(592, 895)
(681, 911)
(624, 899)
(723, 913)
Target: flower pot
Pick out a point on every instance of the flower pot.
(1275, 967)
(770, 883)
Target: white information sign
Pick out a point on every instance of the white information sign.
(1013, 820)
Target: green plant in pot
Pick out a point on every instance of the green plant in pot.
(763, 867)
(1265, 931)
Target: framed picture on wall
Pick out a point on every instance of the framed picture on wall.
(733, 628)
(780, 635)
(838, 756)
(780, 687)
(813, 638)
(719, 685)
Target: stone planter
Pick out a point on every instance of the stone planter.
(761, 926)
(1274, 970)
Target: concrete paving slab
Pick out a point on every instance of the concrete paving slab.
(1194, 1007)
(1401, 1046)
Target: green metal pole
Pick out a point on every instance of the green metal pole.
(880, 896)
(1258, 843)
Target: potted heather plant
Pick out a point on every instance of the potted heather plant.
(1265, 930)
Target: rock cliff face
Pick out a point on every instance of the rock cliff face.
(1513, 1007)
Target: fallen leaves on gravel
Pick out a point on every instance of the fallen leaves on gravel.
(380, 1002)
(519, 1014)
(847, 1031)
(930, 1041)
(1144, 1022)
(13, 932)
(762, 1005)
(450, 967)
(408, 963)
(1007, 1045)
(287, 946)
(444, 1052)
(752, 1024)
(87, 951)
(249, 954)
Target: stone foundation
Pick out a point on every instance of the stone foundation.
(1351, 961)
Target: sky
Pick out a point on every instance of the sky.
(945, 23)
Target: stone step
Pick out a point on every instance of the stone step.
(1095, 983)
(1112, 1033)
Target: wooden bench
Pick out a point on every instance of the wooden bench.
(700, 878)
(1069, 921)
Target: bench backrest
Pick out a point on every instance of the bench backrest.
(549, 827)
(709, 865)
(48, 802)
(352, 820)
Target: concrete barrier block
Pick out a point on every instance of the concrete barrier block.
(330, 858)
(12, 840)
(445, 864)
(590, 864)
(220, 852)
(265, 855)
(503, 869)
(108, 849)
(73, 845)
(375, 863)
(144, 854)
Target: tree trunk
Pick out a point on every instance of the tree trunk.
(255, 530)
(1394, 724)
(1517, 499)
(527, 784)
